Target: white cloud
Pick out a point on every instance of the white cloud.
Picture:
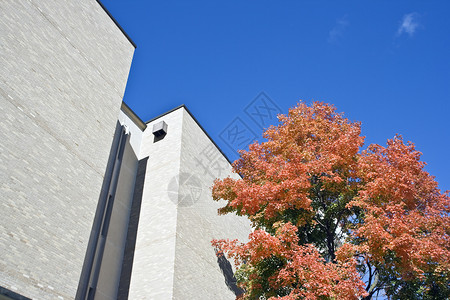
(338, 30)
(409, 24)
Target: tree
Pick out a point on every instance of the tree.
(331, 221)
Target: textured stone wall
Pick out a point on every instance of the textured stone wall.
(64, 69)
(199, 273)
(113, 255)
(174, 258)
(153, 266)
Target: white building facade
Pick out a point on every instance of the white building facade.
(95, 203)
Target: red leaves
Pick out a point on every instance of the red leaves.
(311, 277)
(305, 273)
(277, 173)
(311, 174)
(405, 212)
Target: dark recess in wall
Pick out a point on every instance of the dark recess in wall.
(127, 264)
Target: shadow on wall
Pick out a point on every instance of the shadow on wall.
(227, 271)
(6, 294)
(127, 264)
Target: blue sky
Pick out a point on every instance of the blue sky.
(384, 63)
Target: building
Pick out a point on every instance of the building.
(95, 203)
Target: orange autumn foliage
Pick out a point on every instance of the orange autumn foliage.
(406, 214)
(321, 208)
(276, 174)
(305, 273)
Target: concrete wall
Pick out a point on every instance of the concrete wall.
(64, 69)
(113, 255)
(153, 267)
(198, 274)
(174, 258)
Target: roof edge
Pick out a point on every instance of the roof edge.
(133, 116)
(117, 23)
(198, 124)
(166, 113)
